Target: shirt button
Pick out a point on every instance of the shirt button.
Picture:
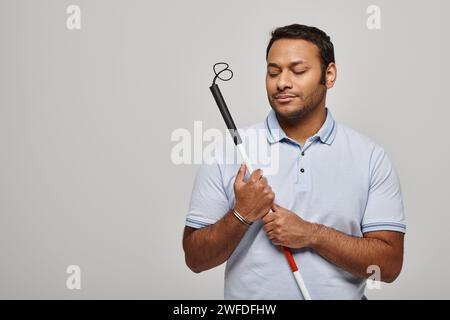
(303, 153)
(302, 170)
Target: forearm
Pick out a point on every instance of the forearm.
(211, 246)
(355, 254)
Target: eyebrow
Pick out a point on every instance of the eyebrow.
(293, 63)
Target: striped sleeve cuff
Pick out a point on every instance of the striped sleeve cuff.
(383, 226)
(197, 222)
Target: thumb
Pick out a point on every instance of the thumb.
(275, 207)
(240, 175)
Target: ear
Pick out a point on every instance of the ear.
(330, 75)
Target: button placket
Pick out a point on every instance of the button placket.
(301, 161)
(303, 175)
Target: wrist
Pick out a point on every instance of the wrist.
(244, 212)
(315, 235)
(241, 218)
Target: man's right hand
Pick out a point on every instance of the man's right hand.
(254, 198)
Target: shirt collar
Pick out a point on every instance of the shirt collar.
(275, 133)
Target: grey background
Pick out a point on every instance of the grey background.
(86, 118)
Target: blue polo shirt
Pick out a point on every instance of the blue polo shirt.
(338, 178)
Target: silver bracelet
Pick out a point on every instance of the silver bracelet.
(241, 218)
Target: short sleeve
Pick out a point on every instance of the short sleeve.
(209, 202)
(384, 209)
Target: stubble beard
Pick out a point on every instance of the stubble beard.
(310, 104)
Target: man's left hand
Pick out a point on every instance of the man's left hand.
(285, 228)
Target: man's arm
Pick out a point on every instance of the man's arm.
(353, 254)
(210, 246)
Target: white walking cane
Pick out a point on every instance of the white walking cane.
(238, 142)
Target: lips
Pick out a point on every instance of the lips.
(284, 98)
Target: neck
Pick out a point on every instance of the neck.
(301, 129)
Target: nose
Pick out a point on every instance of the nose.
(284, 81)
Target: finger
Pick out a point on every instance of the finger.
(267, 191)
(275, 207)
(266, 213)
(273, 239)
(269, 227)
(268, 218)
(264, 181)
(256, 175)
(240, 175)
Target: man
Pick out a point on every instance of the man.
(336, 198)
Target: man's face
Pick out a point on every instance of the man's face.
(293, 78)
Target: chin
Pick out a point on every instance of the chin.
(289, 111)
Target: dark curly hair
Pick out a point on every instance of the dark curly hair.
(311, 34)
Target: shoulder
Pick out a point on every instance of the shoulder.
(356, 140)
(361, 146)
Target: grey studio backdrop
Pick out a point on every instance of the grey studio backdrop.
(86, 118)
